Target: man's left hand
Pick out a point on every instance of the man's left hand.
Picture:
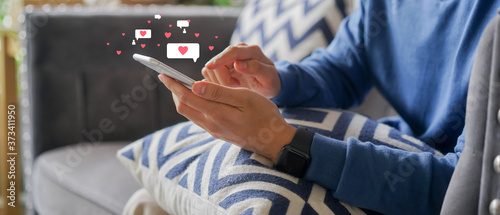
(236, 115)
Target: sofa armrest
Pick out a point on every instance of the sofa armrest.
(473, 188)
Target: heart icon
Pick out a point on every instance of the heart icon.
(216, 37)
(168, 34)
(143, 45)
(169, 25)
(183, 49)
(197, 34)
(118, 52)
(107, 44)
(123, 34)
(189, 20)
(142, 33)
(211, 48)
(158, 45)
(149, 21)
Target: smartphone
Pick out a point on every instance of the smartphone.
(162, 68)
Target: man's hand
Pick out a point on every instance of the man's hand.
(236, 115)
(244, 66)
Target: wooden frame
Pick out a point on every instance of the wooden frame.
(8, 98)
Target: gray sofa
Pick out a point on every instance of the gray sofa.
(82, 101)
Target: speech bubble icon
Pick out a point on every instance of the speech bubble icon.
(157, 16)
(142, 34)
(183, 51)
(182, 24)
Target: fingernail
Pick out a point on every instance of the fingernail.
(199, 88)
(161, 78)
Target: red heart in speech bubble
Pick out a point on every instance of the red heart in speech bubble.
(143, 33)
(183, 49)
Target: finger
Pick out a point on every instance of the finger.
(252, 67)
(176, 100)
(204, 72)
(189, 112)
(234, 97)
(233, 53)
(223, 75)
(194, 115)
(210, 76)
(187, 97)
(213, 77)
(235, 82)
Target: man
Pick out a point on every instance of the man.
(418, 54)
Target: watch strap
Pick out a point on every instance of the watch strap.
(302, 140)
(294, 158)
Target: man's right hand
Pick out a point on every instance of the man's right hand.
(244, 66)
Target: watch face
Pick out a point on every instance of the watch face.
(291, 162)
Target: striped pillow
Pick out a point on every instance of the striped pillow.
(289, 29)
(188, 171)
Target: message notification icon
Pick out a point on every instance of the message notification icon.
(157, 16)
(142, 34)
(183, 24)
(183, 51)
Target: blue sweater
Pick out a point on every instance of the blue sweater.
(419, 55)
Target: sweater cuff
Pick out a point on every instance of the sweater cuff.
(288, 81)
(327, 161)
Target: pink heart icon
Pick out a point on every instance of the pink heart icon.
(149, 21)
(169, 25)
(142, 33)
(143, 45)
(158, 45)
(216, 37)
(189, 20)
(118, 52)
(183, 49)
(107, 44)
(197, 34)
(211, 48)
(168, 34)
(123, 34)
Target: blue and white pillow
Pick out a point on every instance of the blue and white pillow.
(289, 29)
(187, 171)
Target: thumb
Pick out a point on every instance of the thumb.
(218, 93)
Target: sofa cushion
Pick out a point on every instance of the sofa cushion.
(188, 171)
(289, 29)
(82, 179)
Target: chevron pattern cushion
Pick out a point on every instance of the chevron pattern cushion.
(188, 171)
(289, 29)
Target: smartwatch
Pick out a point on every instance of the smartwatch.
(295, 157)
